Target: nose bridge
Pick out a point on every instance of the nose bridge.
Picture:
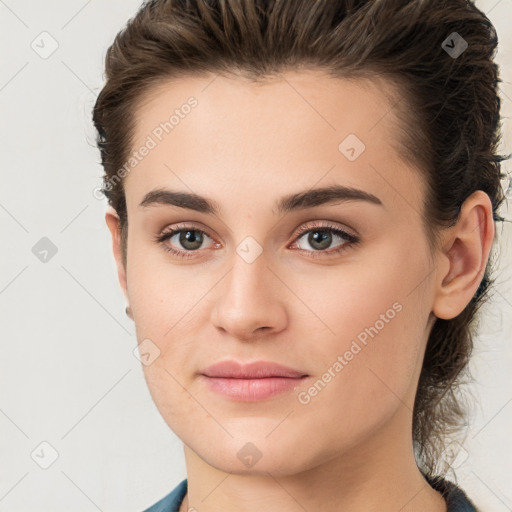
(248, 258)
(248, 274)
(248, 300)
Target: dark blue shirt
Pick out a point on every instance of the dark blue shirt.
(456, 499)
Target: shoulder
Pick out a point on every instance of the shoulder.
(172, 501)
(455, 497)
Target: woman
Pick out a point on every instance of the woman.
(302, 203)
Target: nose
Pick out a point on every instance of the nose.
(251, 300)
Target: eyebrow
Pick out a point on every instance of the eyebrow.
(293, 202)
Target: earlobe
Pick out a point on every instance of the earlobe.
(112, 220)
(465, 255)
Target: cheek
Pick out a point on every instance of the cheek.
(372, 322)
(164, 295)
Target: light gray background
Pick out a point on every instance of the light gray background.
(68, 375)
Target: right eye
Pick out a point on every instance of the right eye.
(189, 237)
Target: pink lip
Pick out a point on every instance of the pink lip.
(256, 370)
(251, 382)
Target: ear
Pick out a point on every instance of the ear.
(466, 248)
(113, 223)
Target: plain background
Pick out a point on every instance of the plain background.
(68, 375)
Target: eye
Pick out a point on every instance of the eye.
(321, 237)
(188, 237)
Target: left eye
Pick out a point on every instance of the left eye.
(322, 238)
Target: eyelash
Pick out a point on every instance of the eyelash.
(351, 240)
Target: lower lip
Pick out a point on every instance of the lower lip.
(252, 390)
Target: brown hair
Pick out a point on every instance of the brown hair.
(447, 108)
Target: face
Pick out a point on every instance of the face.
(337, 289)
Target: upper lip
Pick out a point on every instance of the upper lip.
(255, 370)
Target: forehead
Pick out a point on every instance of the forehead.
(269, 106)
(293, 130)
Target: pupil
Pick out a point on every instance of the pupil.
(191, 237)
(324, 239)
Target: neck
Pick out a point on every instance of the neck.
(377, 474)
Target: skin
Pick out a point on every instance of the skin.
(245, 146)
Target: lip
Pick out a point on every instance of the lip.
(257, 370)
(251, 382)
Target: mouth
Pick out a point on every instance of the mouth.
(252, 390)
(251, 382)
